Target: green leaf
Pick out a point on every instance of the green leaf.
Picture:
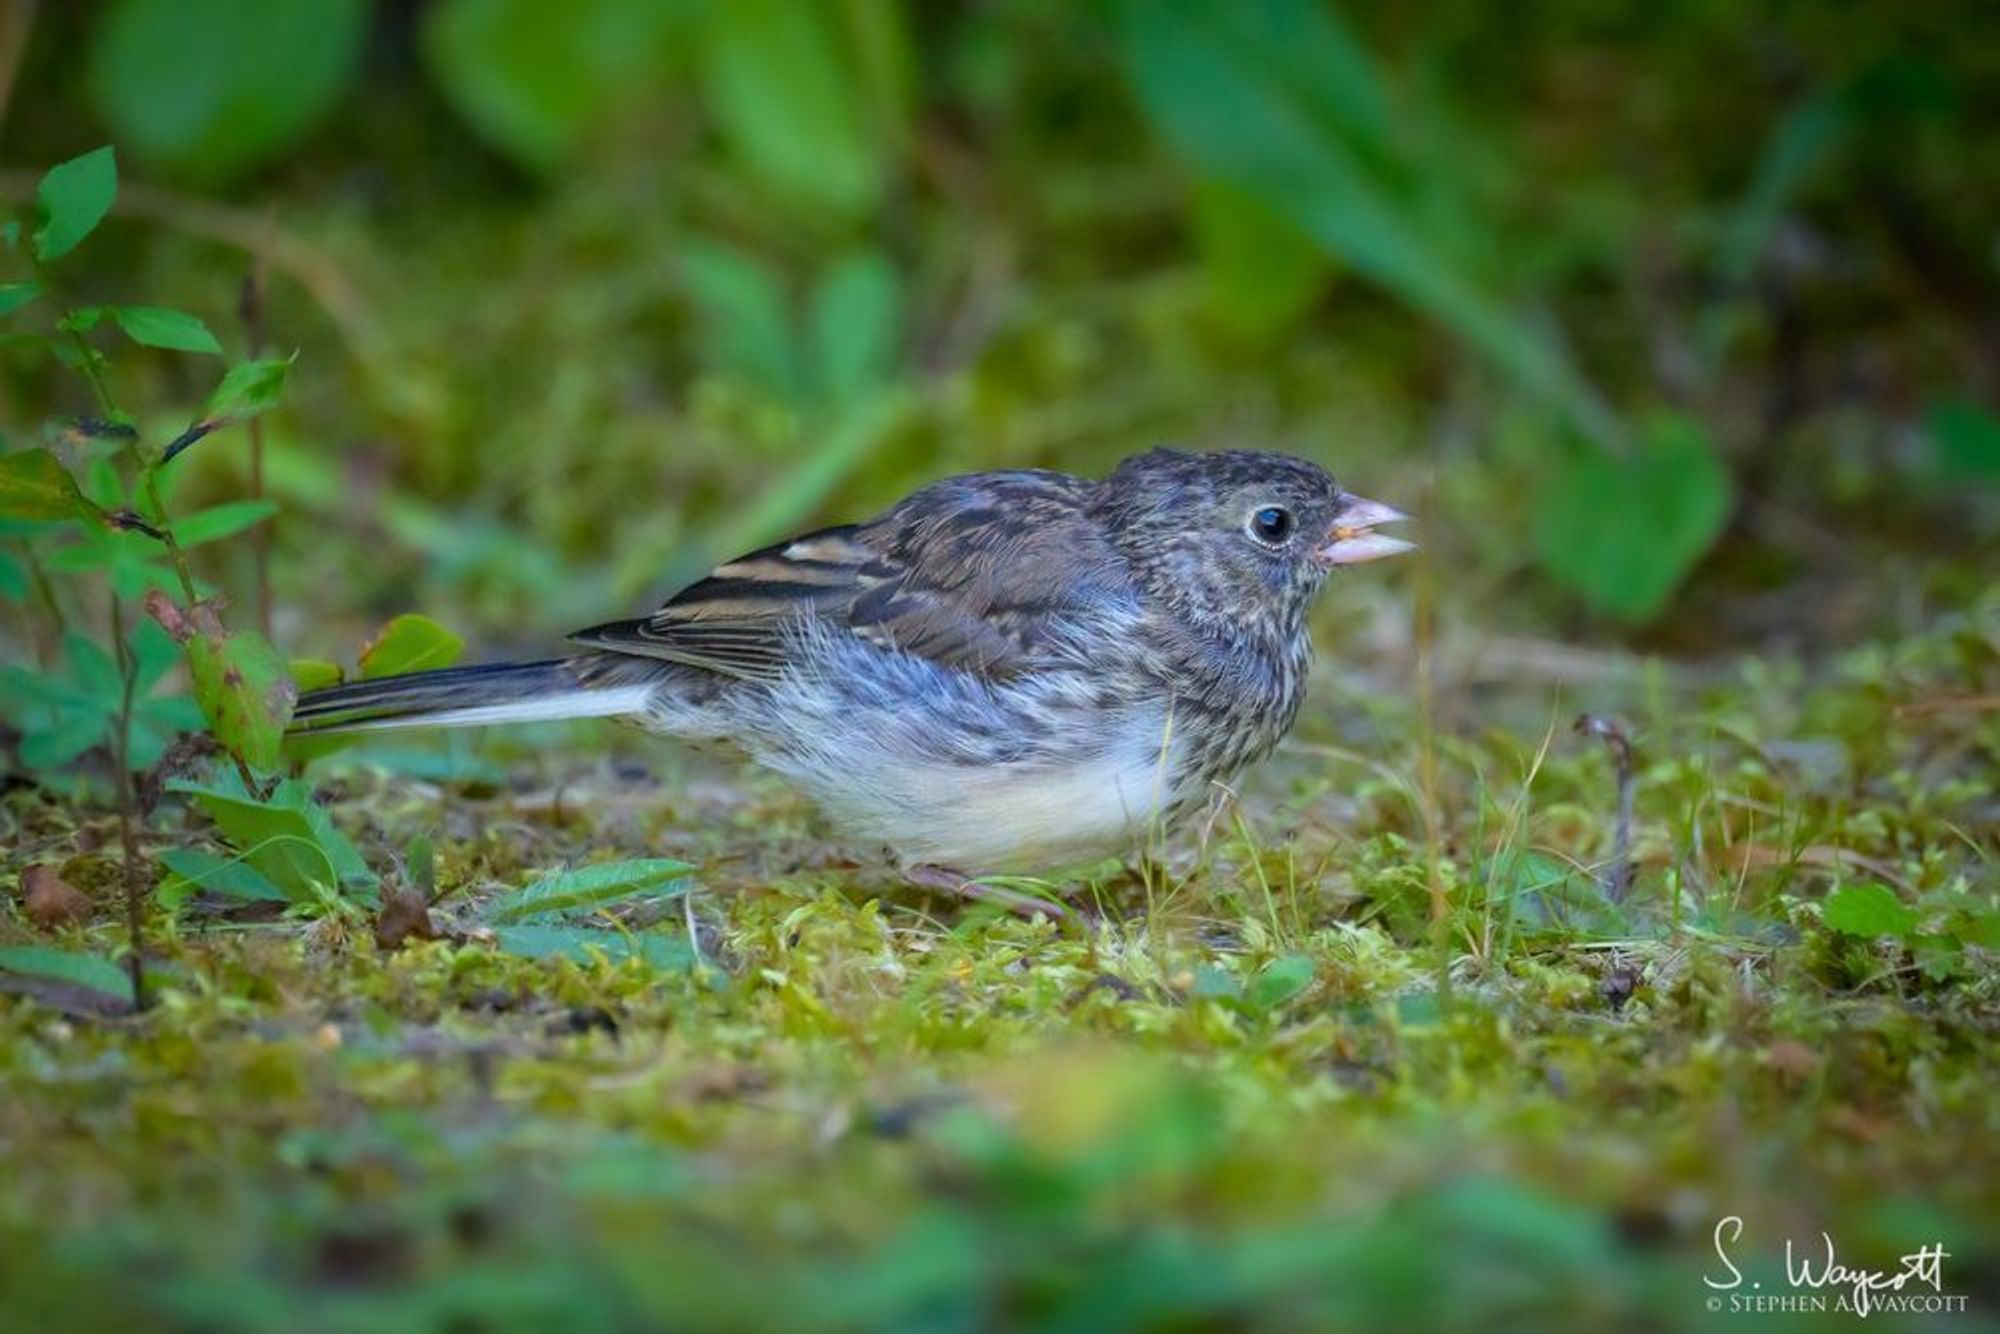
(157, 326)
(155, 725)
(72, 199)
(1213, 983)
(1279, 100)
(229, 877)
(856, 324)
(15, 295)
(133, 562)
(82, 319)
(1940, 957)
(589, 887)
(210, 89)
(1623, 532)
(315, 673)
(1868, 910)
(29, 689)
(534, 79)
(287, 837)
(62, 714)
(1280, 981)
(245, 691)
(96, 670)
(792, 103)
(1965, 439)
(220, 521)
(1797, 142)
(69, 737)
(410, 643)
(247, 389)
(35, 485)
(82, 970)
(347, 862)
(586, 945)
(13, 578)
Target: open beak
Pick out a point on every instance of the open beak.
(1354, 538)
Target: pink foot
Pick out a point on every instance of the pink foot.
(949, 881)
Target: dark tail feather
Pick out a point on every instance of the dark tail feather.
(463, 697)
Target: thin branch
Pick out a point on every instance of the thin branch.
(251, 307)
(128, 834)
(1618, 878)
(150, 472)
(87, 356)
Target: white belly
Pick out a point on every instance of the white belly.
(1103, 801)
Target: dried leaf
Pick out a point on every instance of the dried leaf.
(51, 901)
(406, 914)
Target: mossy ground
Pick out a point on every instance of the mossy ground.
(1373, 1048)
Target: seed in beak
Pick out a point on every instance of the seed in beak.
(1353, 539)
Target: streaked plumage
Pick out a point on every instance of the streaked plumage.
(1006, 671)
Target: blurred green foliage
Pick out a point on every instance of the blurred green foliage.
(211, 89)
(114, 531)
(645, 280)
(536, 80)
(61, 714)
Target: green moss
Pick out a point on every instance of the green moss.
(877, 1108)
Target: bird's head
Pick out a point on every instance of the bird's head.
(1240, 537)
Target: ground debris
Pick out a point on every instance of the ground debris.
(50, 901)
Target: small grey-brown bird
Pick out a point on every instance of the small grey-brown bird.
(1008, 671)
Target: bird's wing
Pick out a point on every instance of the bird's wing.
(981, 573)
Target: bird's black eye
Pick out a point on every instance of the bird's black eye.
(1272, 524)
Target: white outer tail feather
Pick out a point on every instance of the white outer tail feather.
(606, 702)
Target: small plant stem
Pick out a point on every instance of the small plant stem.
(128, 832)
(1619, 876)
(1263, 881)
(128, 672)
(252, 308)
(87, 359)
(47, 592)
(149, 476)
(86, 355)
(1424, 637)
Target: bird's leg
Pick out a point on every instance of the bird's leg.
(958, 883)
